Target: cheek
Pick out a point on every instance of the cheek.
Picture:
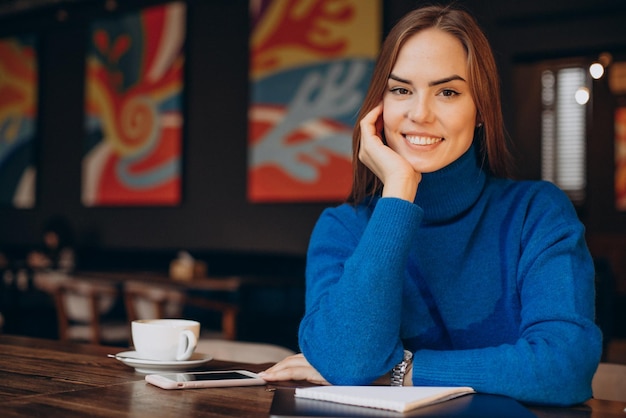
(460, 123)
(392, 111)
(467, 127)
(392, 118)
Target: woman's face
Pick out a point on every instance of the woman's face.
(429, 114)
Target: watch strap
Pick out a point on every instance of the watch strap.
(399, 371)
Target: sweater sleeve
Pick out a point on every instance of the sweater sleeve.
(355, 272)
(559, 346)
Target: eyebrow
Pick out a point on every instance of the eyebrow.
(430, 83)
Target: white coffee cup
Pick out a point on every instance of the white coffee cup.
(165, 339)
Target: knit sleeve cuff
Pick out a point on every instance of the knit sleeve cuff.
(395, 220)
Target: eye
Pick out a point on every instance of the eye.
(399, 90)
(449, 93)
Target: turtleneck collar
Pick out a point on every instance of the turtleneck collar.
(446, 193)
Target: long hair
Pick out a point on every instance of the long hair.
(483, 80)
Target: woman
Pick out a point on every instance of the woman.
(484, 281)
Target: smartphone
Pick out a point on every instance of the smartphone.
(204, 379)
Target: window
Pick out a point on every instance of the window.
(564, 96)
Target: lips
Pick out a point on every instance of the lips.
(423, 140)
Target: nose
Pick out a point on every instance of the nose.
(419, 109)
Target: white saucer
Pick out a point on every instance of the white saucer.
(132, 359)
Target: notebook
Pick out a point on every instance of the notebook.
(475, 405)
(400, 399)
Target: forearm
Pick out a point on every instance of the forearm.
(540, 369)
(551, 355)
(351, 328)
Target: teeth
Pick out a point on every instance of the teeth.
(422, 140)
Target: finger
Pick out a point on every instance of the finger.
(292, 373)
(300, 373)
(282, 368)
(371, 123)
(287, 362)
(294, 367)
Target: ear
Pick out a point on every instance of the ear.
(479, 119)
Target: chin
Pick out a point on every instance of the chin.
(427, 167)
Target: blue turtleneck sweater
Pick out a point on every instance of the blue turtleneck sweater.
(487, 281)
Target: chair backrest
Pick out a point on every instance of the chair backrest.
(148, 301)
(609, 382)
(80, 305)
(229, 312)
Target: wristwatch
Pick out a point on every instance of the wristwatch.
(398, 372)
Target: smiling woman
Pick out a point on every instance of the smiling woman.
(429, 120)
(440, 270)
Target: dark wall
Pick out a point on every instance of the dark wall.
(214, 214)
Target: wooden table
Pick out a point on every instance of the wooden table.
(51, 378)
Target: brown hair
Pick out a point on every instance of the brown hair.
(483, 80)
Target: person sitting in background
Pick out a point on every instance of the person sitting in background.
(440, 270)
(57, 252)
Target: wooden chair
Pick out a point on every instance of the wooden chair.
(609, 382)
(149, 301)
(146, 301)
(81, 305)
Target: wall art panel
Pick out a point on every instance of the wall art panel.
(310, 65)
(134, 117)
(18, 120)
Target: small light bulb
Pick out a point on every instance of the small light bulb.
(596, 70)
(582, 95)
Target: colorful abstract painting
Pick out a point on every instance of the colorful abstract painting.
(310, 65)
(620, 158)
(18, 121)
(134, 117)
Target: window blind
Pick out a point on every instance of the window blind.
(563, 131)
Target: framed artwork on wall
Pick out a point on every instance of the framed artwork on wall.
(133, 107)
(310, 65)
(18, 120)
